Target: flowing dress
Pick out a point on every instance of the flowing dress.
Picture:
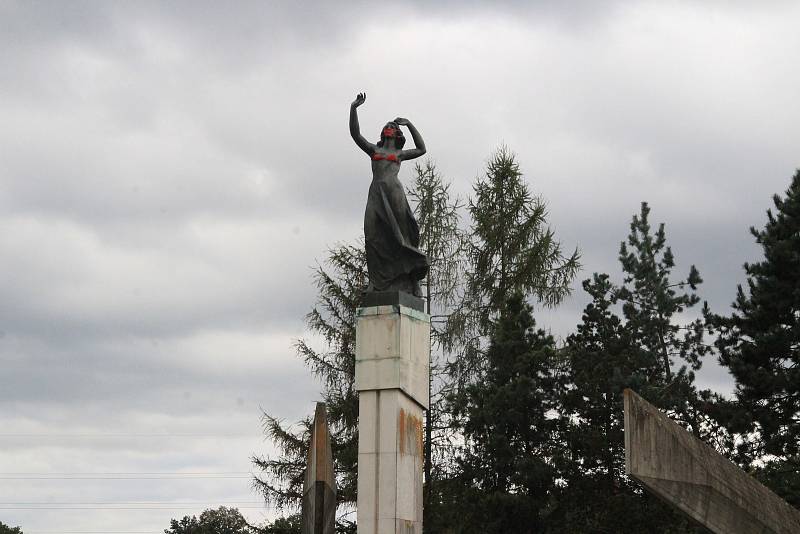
(391, 232)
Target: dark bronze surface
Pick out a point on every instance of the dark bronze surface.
(392, 298)
(391, 233)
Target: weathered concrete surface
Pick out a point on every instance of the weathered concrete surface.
(319, 485)
(694, 478)
(393, 350)
(392, 355)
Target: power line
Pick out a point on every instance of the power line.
(209, 477)
(115, 507)
(65, 473)
(129, 435)
(54, 503)
(125, 475)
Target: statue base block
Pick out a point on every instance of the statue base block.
(392, 298)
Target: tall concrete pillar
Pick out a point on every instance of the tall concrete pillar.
(392, 370)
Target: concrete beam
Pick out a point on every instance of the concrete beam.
(696, 479)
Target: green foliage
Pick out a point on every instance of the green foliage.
(220, 521)
(5, 529)
(651, 301)
(604, 359)
(524, 436)
(783, 477)
(440, 238)
(652, 305)
(506, 466)
(513, 257)
(340, 285)
(760, 345)
(513, 249)
(284, 525)
(638, 349)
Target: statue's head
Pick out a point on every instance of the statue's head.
(393, 131)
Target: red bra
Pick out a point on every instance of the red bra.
(377, 156)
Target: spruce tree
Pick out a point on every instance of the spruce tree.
(505, 468)
(504, 380)
(603, 360)
(759, 343)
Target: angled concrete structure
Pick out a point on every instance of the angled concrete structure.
(696, 479)
(392, 369)
(319, 485)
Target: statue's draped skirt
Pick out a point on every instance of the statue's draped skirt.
(391, 235)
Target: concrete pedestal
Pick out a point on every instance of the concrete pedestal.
(392, 370)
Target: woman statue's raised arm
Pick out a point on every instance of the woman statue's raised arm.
(419, 144)
(355, 131)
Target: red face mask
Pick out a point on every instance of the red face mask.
(389, 132)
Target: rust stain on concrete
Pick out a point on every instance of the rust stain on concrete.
(408, 527)
(401, 431)
(409, 433)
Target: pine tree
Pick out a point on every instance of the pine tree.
(650, 347)
(504, 378)
(505, 471)
(604, 359)
(652, 304)
(760, 344)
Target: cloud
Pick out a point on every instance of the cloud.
(172, 172)
(63, 277)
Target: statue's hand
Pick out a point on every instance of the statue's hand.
(360, 98)
(400, 121)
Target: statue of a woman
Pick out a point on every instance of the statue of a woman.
(391, 233)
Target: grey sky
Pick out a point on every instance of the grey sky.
(172, 171)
